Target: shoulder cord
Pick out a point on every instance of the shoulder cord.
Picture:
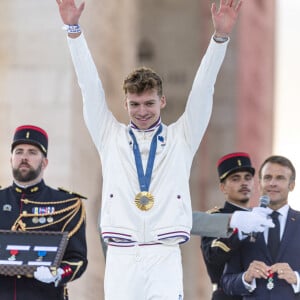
(72, 211)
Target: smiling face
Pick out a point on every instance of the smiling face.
(144, 97)
(238, 187)
(144, 108)
(276, 181)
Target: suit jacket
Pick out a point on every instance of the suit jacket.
(288, 252)
(217, 251)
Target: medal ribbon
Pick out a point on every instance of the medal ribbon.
(145, 178)
(14, 252)
(270, 283)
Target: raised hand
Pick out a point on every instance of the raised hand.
(225, 17)
(69, 12)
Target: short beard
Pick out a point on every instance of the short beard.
(29, 176)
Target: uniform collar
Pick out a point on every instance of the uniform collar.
(28, 189)
(235, 206)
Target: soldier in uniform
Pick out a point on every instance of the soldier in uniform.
(30, 205)
(236, 182)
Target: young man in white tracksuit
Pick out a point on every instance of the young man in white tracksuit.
(146, 207)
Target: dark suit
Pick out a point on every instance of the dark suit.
(216, 252)
(288, 252)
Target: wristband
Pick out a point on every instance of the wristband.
(72, 28)
(220, 39)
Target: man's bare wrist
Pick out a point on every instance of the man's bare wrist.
(74, 35)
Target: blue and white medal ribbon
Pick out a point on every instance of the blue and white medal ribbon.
(144, 200)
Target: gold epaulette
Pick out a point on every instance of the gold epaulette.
(71, 193)
(213, 210)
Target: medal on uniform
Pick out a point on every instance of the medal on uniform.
(50, 211)
(144, 200)
(42, 220)
(270, 283)
(35, 220)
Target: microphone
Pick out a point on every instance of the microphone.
(264, 201)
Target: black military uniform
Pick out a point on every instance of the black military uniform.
(217, 251)
(42, 208)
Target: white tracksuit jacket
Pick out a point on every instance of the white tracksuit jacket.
(170, 218)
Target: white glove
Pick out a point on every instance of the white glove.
(262, 210)
(248, 222)
(44, 274)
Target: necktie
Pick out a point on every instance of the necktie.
(274, 235)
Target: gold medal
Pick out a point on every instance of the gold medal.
(144, 200)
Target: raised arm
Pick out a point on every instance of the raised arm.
(200, 100)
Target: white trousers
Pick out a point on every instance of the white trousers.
(143, 273)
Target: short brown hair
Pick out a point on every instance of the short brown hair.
(280, 160)
(141, 80)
